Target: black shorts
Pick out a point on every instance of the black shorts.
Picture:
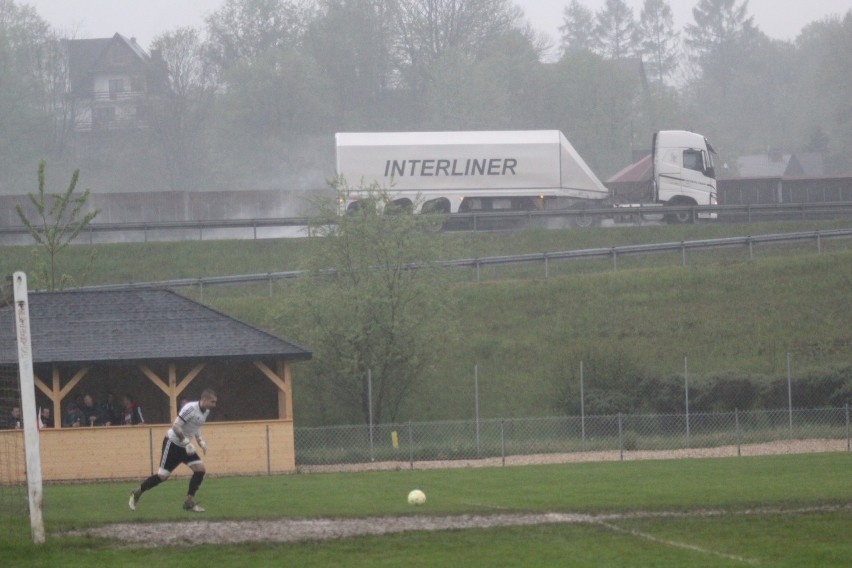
(174, 455)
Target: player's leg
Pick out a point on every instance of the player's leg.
(198, 471)
(169, 460)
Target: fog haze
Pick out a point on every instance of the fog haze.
(779, 19)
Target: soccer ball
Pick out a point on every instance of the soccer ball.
(416, 497)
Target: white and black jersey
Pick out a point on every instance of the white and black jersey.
(189, 420)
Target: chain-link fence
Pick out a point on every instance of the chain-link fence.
(628, 435)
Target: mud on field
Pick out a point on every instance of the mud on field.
(190, 533)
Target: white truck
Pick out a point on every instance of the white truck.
(527, 170)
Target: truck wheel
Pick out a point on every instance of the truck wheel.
(583, 221)
(680, 217)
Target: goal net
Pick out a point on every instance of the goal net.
(20, 463)
(13, 484)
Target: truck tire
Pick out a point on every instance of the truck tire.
(583, 221)
(681, 217)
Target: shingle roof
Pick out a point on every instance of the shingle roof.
(135, 325)
(85, 54)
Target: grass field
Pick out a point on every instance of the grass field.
(791, 510)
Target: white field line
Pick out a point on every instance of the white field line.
(676, 544)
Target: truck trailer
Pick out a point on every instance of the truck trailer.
(523, 170)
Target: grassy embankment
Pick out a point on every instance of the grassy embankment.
(527, 334)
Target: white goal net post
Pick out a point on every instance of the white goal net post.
(28, 406)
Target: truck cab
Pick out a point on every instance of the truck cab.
(683, 172)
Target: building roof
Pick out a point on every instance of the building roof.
(774, 165)
(135, 326)
(84, 55)
(636, 172)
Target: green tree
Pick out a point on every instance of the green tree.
(615, 30)
(425, 30)
(491, 92)
(578, 28)
(267, 118)
(58, 223)
(822, 106)
(720, 39)
(243, 30)
(370, 318)
(181, 112)
(596, 103)
(25, 125)
(657, 39)
(351, 42)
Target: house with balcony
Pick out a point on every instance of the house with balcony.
(112, 82)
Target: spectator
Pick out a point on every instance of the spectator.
(13, 421)
(73, 416)
(45, 420)
(111, 410)
(92, 413)
(132, 413)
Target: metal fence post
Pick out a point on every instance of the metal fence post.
(410, 446)
(582, 408)
(848, 447)
(546, 267)
(476, 404)
(737, 425)
(503, 439)
(686, 395)
(789, 395)
(620, 439)
(370, 409)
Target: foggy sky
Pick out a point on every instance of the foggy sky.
(145, 19)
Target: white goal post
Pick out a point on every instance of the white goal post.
(28, 406)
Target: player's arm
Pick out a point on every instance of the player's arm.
(201, 443)
(184, 439)
(177, 428)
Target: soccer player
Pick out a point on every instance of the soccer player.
(178, 448)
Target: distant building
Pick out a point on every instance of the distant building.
(112, 82)
(778, 165)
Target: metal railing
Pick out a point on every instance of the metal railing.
(545, 258)
(482, 220)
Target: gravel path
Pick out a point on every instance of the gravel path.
(193, 533)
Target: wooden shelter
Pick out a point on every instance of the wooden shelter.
(160, 345)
